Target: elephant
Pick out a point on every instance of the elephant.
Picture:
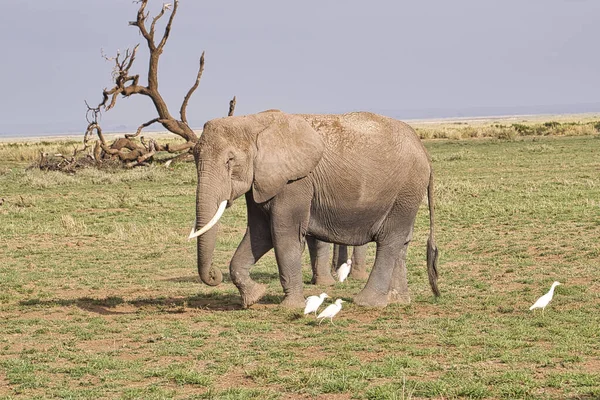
(319, 260)
(349, 179)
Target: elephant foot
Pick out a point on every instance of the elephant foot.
(293, 301)
(396, 297)
(361, 275)
(323, 280)
(370, 299)
(253, 294)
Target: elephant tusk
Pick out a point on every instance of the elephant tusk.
(211, 223)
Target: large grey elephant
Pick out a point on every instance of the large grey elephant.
(348, 179)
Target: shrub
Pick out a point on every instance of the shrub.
(523, 129)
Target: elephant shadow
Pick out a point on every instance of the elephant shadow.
(259, 276)
(116, 305)
(185, 279)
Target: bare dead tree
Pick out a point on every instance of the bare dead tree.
(126, 84)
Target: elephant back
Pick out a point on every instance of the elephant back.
(364, 132)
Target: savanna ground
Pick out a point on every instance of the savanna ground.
(99, 296)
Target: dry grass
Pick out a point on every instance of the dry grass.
(507, 132)
(509, 128)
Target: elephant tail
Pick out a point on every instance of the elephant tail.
(432, 251)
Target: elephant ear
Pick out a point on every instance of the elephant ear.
(288, 149)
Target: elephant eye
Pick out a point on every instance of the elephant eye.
(229, 162)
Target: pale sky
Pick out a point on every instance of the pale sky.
(406, 59)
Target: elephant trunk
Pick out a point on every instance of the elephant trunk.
(209, 274)
(207, 214)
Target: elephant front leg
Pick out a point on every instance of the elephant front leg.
(245, 256)
(319, 260)
(256, 242)
(290, 213)
(288, 253)
(359, 263)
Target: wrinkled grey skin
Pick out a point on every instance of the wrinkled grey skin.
(350, 179)
(319, 260)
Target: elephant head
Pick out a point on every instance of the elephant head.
(235, 155)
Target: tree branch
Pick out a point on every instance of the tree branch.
(187, 97)
(176, 148)
(140, 22)
(163, 41)
(231, 107)
(141, 159)
(122, 77)
(155, 20)
(92, 115)
(142, 126)
(131, 58)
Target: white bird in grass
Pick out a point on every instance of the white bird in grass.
(330, 311)
(543, 301)
(314, 302)
(344, 270)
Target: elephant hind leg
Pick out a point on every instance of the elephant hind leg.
(359, 263)
(319, 260)
(398, 292)
(389, 271)
(375, 292)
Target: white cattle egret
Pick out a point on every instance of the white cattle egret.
(344, 270)
(313, 303)
(543, 301)
(330, 311)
